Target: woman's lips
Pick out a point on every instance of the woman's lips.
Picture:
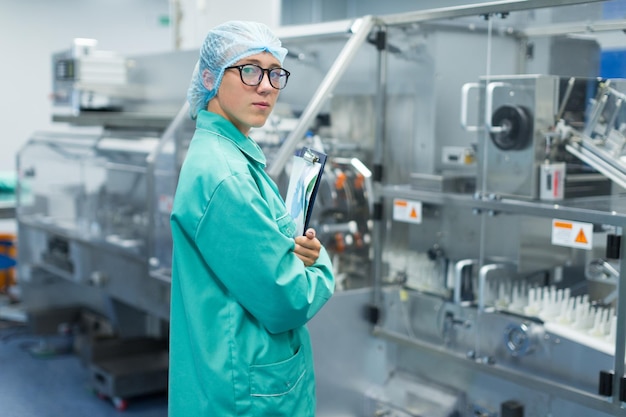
(261, 104)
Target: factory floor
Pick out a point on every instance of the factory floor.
(44, 382)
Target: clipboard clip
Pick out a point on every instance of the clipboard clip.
(310, 156)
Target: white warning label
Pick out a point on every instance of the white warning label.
(407, 211)
(572, 234)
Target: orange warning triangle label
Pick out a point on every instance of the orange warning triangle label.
(413, 214)
(581, 238)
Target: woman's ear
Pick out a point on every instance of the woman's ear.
(208, 79)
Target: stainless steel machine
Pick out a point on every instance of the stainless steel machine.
(84, 224)
(472, 205)
(509, 274)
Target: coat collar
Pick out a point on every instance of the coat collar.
(219, 125)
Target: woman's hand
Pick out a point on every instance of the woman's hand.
(308, 247)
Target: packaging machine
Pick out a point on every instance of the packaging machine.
(472, 205)
(510, 274)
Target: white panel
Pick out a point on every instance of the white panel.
(199, 16)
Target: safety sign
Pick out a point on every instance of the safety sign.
(572, 234)
(407, 211)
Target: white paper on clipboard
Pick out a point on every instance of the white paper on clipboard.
(306, 173)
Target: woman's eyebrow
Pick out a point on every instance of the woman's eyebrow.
(257, 62)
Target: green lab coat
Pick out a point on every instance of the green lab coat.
(240, 297)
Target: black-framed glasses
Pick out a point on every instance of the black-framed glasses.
(252, 74)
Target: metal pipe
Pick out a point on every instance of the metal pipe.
(611, 123)
(347, 227)
(570, 28)
(595, 115)
(475, 10)
(167, 137)
(315, 30)
(620, 331)
(602, 165)
(175, 13)
(378, 160)
(361, 28)
(568, 93)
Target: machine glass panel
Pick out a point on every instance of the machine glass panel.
(92, 187)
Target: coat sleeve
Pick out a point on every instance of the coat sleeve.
(242, 243)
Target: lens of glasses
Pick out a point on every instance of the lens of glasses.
(252, 75)
(278, 78)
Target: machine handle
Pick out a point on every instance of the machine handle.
(483, 272)
(464, 95)
(489, 107)
(459, 267)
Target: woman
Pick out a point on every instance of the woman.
(243, 287)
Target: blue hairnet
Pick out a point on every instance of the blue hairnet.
(223, 46)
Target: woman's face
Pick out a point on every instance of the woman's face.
(244, 105)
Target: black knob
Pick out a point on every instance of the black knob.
(516, 123)
(605, 387)
(613, 246)
(511, 408)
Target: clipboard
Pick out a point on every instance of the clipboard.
(306, 174)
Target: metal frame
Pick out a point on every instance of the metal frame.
(168, 134)
(360, 29)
